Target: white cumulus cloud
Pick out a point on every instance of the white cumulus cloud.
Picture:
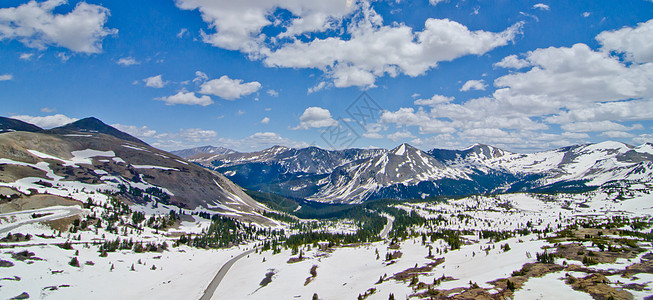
(362, 50)
(184, 138)
(643, 138)
(272, 93)
(26, 56)
(436, 2)
(617, 134)
(435, 100)
(316, 117)
(513, 62)
(636, 43)
(320, 86)
(155, 81)
(37, 26)
(597, 126)
(127, 61)
(375, 51)
(238, 25)
(46, 122)
(474, 85)
(139, 132)
(541, 6)
(229, 89)
(400, 135)
(187, 98)
(584, 92)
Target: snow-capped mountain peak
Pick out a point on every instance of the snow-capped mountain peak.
(355, 175)
(483, 152)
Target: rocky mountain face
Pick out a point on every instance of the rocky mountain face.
(282, 170)
(202, 151)
(402, 166)
(88, 157)
(357, 175)
(311, 160)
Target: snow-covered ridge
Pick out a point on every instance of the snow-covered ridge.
(598, 163)
(355, 174)
(404, 165)
(311, 160)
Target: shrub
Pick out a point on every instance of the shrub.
(545, 257)
(510, 285)
(74, 262)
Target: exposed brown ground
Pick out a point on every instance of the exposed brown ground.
(26, 202)
(595, 283)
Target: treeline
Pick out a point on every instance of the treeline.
(369, 226)
(129, 244)
(148, 195)
(226, 232)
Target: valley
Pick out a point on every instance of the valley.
(88, 211)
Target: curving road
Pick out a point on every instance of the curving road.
(208, 293)
(56, 212)
(388, 226)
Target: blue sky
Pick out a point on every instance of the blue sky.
(520, 75)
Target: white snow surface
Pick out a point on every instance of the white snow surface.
(154, 167)
(549, 286)
(79, 157)
(342, 272)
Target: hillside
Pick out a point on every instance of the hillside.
(88, 159)
(10, 125)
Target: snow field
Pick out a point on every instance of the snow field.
(181, 273)
(550, 286)
(342, 273)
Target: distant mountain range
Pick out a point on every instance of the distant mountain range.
(358, 175)
(88, 156)
(202, 151)
(92, 156)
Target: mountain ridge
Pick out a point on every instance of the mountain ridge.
(93, 125)
(11, 125)
(407, 172)
(202, 151)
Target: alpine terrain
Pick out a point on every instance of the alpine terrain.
(405, 172)
(88, 159)
(85, 204)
